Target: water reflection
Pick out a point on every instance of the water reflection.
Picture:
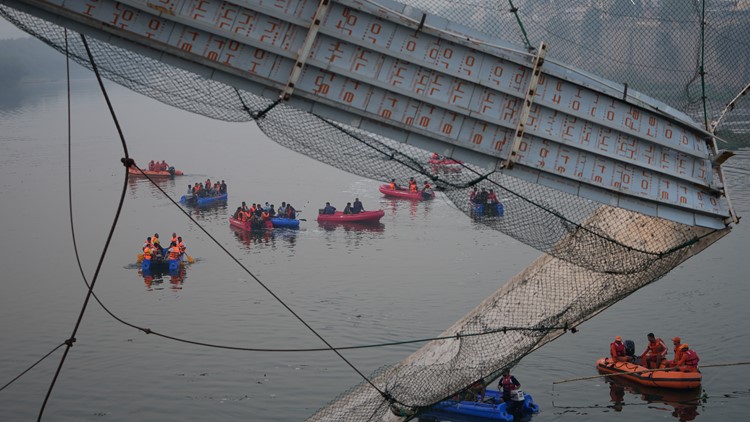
(154, 278)
(210, 212)
(352, 226)
(684, 403)
(417, 209)
(137, 183)
(265, 237)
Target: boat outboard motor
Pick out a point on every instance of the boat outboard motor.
(171, 170)
(630, 348)
(516, 402)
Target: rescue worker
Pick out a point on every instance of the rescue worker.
(291, 212)
(174, 238)
(357, 206)
(328, 209)
(688, 361)
(163, 166)
(147, 252)
(152, 165)
(174, 251)
(412, 185)
(655, 352)
(181, 245)
(617, 351)
(473, 195)
(393, 185)
(348, 208)
(148, 242)
(477, 390)
(507, 384)
(677, 352)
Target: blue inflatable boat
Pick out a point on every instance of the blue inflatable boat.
(490, 408)
(285, 223)
(202, 200)
(489, 210)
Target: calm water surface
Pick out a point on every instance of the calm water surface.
(422, 269)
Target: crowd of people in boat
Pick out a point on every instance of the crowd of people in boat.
(350, 208)
(487, 200)
(426, 186)
(207, 189)
(152, 249)
(655, 356)
(258, 214)
(157, 166)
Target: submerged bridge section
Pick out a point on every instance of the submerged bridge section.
(390, 69)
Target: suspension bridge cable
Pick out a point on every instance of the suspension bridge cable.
(69, 342)
(30, 367)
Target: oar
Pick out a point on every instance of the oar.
(302, 210)
(190, 259)
(139, 257)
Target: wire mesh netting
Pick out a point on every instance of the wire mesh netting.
(595, 254)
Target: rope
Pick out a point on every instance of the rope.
(71, 340)
(32, 366)
(514, 10)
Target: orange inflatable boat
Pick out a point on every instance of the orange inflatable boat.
(660, 378)
(167, 173)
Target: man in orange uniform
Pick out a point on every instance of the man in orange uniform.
(677, 352)
(617, 351)
(655, 352)
(689, 360)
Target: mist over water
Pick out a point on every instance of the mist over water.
(424, 267)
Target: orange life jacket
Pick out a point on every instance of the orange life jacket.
(677, 353)
(174, 239)
(174, 253)
(691, 358)
(412, 187)
(147, 253)
(657, 348)
(617, 349)
(393, 185)
(181, 247)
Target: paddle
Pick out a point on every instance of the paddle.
(190, 259)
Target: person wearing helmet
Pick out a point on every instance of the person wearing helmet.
(617, 351)
(689, 360)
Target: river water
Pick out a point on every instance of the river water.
(423, 268)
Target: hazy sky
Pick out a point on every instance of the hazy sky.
(8, 30)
